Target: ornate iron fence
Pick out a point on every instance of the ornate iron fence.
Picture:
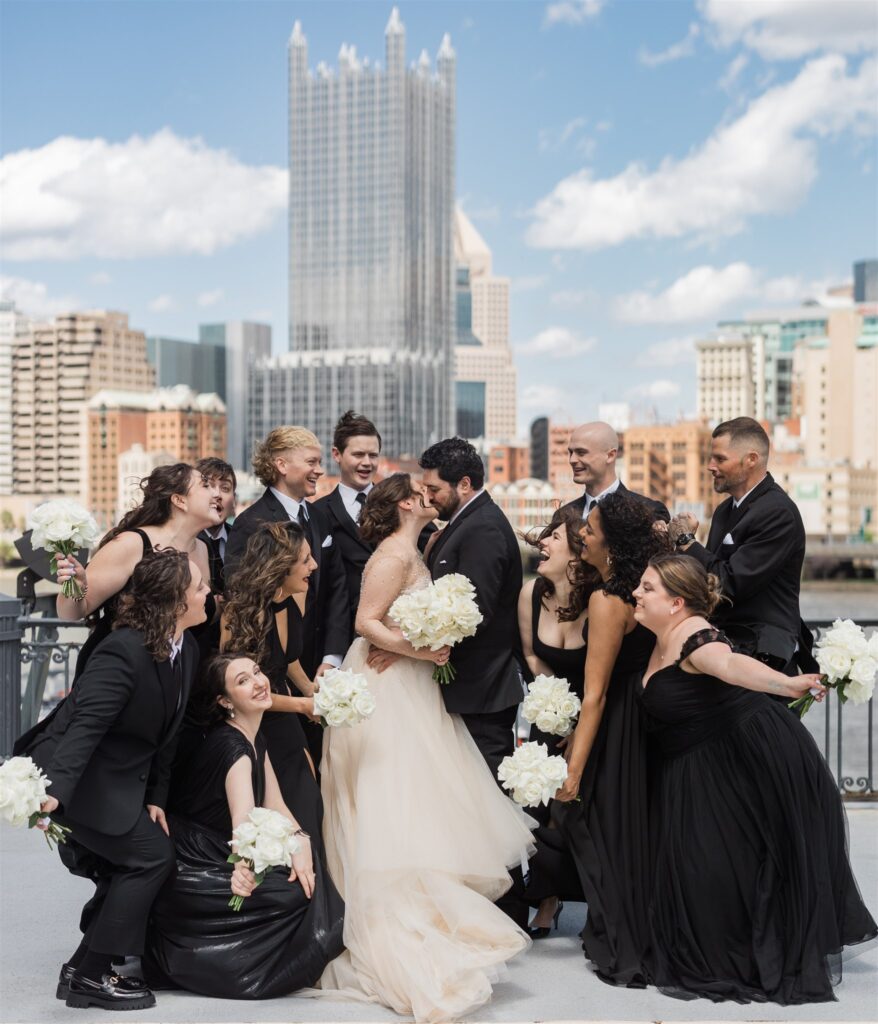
(844, 733)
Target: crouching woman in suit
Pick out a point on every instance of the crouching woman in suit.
(108, 754)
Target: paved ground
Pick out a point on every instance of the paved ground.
(40, 909)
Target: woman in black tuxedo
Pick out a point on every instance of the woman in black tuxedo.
(108, 753)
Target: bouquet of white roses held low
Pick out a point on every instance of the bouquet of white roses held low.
(344, 698)
(440, 615)
(848, 661)
(265, 840)
(550, 705)
(63, 527)
(531, 775)
(22, 791)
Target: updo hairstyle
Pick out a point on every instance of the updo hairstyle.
(380, 515)
(684, 576)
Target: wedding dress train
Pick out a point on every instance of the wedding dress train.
(418, 841)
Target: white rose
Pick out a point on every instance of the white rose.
(547, 721)
(335, 716)
(269, 852)
(570, 706)
(859, 692)
(834, 662)
(364, 703)
(277, 827)
(863, 670)
(872, 645)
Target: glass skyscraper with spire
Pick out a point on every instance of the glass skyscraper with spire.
(371, 264)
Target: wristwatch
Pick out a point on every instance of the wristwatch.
(683, 539)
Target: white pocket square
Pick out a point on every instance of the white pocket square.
(327, 541)
(444, 562)
(728, 539)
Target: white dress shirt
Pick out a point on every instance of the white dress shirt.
(222, 537)
(349, 498)
(291, 506)
(590, 502)
(738, 502)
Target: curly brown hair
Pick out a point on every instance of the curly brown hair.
(248, 616)
(380, 515)
(584, 579)
(155, 598)
(210, 685)
(628, 527)
(158, 489)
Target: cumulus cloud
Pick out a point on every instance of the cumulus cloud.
(733, 72)
(763, 162)
(209, 298)
(673, 352)
(557, 343)
(684, 47)
(571, 12)
(33, 299)
(788, 29)
(142, 197)
(656, 390)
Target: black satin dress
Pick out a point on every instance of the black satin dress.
(606, 832)
(283, 732)
(279, 942)
(753, 895)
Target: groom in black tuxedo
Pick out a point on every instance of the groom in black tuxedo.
(756, 546)
(592, 452)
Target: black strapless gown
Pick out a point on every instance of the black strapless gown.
(753, 895)
(279, 942)
(283, 730)
(606, 832)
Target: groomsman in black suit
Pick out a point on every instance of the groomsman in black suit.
(592, 452)
(289, 463)
(356, 449)
(108, 752)
(756, 546)
(219, 473)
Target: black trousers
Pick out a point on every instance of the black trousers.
(134, 868)
(494, 736)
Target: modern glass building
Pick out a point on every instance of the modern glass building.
(200, 367)
(866, 281)
(371, 273)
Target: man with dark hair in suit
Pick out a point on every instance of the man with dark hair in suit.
(218, 471)
(756, 547)
(592, 452)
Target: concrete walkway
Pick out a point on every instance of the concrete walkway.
(40, 911)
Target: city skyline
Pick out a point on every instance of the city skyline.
(640, 171)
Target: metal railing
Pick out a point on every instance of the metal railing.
(29, 638)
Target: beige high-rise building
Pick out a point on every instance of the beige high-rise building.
(12, 325)
(485, 377)
(668, 462)
(836, 500)
(56, 368)
(727, 368)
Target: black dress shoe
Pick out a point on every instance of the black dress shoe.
(64, 981)
(112, 992)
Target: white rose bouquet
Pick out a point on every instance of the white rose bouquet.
(265, 840)
(531, 775)
(344, 698)
(440, 615)
(63, 527)
(848, 661)
(551, 706)
(22, 791)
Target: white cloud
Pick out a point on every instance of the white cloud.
(162, 303)
(655, 390)
(100, 277)
(210, 298)
(529, 283)
(142, 197)
(733, 72)
(32, 298)
(673, 352)
(763, 162)
(704, 292)
(788, 29)
(550, 140)
(557, 343)
(684, 47)
(571, 12)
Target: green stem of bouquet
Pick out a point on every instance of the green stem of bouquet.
(54, 834)
(444, 673)
(69, 588)
(237, 902)
(803, 704)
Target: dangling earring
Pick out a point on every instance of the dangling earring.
(609, 562)
(229, 711)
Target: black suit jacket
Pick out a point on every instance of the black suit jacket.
(481, 545)
(659, 511)
(760, 570)
(109, 748)
(327, 624)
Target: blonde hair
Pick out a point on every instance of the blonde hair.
(684, 576)
(280, 440)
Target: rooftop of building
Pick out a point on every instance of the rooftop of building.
(180, 397)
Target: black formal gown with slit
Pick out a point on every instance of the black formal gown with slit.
(279, 942)
(753, 897)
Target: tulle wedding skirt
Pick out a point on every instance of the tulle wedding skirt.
(418, 841)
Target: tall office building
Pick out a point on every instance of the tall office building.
(12, 325)
(484, 374)
(243, 344)
(56, 368)
(371, 287)
(200, 367)
(866, 281)
(727, 371)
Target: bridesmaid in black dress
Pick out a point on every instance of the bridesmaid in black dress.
(606, 829)
(552, 609)
(262, 615)
(290, 926)
(753, 895)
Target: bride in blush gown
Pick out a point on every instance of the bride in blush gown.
(418, 834)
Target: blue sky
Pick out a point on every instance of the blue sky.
(640, 168)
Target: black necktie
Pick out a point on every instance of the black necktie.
(217, 569)
(360, 499)
(302, 516)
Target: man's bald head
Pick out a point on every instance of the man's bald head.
(592, 451)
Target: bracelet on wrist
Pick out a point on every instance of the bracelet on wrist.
(83, 593)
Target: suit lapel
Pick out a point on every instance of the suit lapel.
(337, 506)
(473, 506)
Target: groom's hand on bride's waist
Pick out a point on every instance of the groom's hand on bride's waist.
(379, 660)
